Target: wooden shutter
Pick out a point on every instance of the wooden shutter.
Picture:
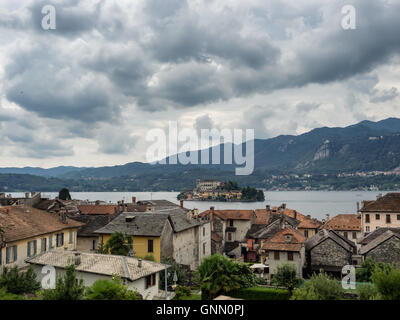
(15, 249)
(70, 236)
(29, 249)
(34, 247)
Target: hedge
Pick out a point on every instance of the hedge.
(260, 293)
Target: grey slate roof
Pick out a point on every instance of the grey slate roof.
(324, 234)
(104, 264)
(378, 240)
(274, 226)
(376, 233)
(143, 224)
(92, 223)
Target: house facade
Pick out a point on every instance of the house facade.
(28, 231)
(347, 225)
(286, 246)
(139, 275)
(384, 212)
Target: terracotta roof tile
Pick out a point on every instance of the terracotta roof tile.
(344, 222)
(230, 214)
(389, 202)
(279, 241)
(97, 209)
(22, 222)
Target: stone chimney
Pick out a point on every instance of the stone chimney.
(181, 204)
(268, 207)
(212, 218)
(134, 200)
(77, 258)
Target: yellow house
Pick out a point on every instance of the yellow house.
(26, 232)
(171, 232)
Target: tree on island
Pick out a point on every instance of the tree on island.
(64, 194)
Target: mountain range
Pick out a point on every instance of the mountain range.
(365, 146)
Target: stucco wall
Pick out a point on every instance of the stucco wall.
(373, 222)
(86, 244)
(298, 261)
(22, 246)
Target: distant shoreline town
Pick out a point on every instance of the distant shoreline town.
(214, 190)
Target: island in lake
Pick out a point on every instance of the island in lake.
(214, 190)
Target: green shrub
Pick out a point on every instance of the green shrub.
(319, 287)
(182, 291)
(286, 276)
(366, 291)
(260, 293)
(19, 282)
(4, 295)
(181, 273)
(387, 282)
(110, 290)
(364, 273)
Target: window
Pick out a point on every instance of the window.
(71, 237)
(43, 246)
(60, 239)
(398, 217)
(354, 235)
(11, 254)
(204, 248)
(367, 229)
(276, 255)
(150, 246)
(290, 256)
(229, 236)
(31, 248)
(150, 280)
(377, 216)
(204, 231)
(231, 223)
(93, 245)
(51, 242)
(345, 234)
(367, 218)
(306, 233)
(388, 218)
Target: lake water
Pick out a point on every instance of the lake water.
(314, 203)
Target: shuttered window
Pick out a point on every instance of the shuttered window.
(71, 237)
(150, 246)
(60, 239)
(51, 242)
(43, 247)
(11, 254)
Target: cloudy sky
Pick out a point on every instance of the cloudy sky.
(87, 93)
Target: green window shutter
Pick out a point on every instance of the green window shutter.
(34, 247)
(70, 236)
(29, 249)
(62, 238)
(15, 249)
(50, 242)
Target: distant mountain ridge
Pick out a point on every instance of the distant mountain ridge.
(365, 146)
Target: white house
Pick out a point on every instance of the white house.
(140, 275)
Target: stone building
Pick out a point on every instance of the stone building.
(384, 212)
(329, 251)
(382, 245)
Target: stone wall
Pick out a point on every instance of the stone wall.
(329, 253)
(388, 251)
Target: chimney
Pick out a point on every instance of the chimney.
(295, 214)
(358, 206)
(134, 200)
(140, 263)
(379, 196)
(268, 207)
(327, 217)
(181, 203)
(212, 218)
(283, 206)
(77, 258)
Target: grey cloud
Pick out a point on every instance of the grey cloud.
(307, 106)
(384, 95)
